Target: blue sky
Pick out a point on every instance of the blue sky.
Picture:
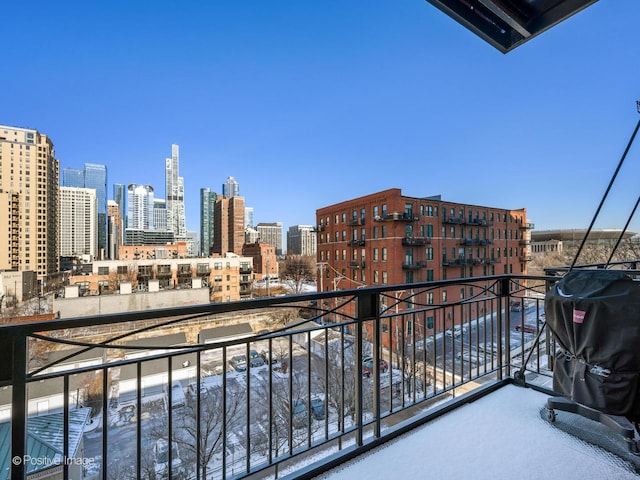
(310, 103)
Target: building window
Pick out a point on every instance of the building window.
(429, 253)
(384, 254)
(375, 254)
(103, 270)
(430, 323)
(429, 275)
(430, 298)
(384, 278)
(444, 296)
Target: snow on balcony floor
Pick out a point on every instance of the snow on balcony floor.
(504, 435)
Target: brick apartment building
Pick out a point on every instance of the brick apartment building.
(387, 238)
(265, 260)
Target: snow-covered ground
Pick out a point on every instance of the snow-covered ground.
(501, 436)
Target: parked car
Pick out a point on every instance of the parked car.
(299, 414)
(455, 331)
(239, 363)
(490, 348)
(367, 366)
(255, 359)
(161, 451)
(177, 395)
(193, 390)
(527, 328)
(317, 408)
(265, 357)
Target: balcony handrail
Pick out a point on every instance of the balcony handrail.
(358, 310)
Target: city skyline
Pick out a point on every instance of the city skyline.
(307, 108)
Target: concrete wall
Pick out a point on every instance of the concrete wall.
(11, 284)
(109, 304)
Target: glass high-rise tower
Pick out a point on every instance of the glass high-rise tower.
(174, 191)
(120, 197)
(92, 176)
(207, 204)
(231, 188)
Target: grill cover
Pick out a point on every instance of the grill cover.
(595, 317)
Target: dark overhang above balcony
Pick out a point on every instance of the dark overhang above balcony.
(507, 24)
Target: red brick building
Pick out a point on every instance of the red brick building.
(387, 238)
(265, 261)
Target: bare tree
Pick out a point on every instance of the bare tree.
(214, 414)
(291, 423)
(296, 270)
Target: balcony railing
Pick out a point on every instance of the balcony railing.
(397, 216)
(414, 265)
(475, 241)
(356, 243)
(263, 403)
(415, 241)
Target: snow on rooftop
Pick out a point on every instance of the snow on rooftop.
(504, 435)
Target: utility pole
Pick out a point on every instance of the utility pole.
(321, 266)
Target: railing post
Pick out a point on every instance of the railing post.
(358, 380)
(502, 327)
(368, 309)
(19, 410)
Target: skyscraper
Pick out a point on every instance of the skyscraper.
(92, 176)
(207, 209)
(228, 225)
(248, 217)
(231, 188)
(78, 222)
(174, 191)
(271, 233)
(301, 240)
(29, 196)
(72, 177)
(159, 214)
(120, 197)
(115, 236)
(140, 207)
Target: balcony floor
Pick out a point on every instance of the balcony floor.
(504, 435)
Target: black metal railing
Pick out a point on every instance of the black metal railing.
(152, 396)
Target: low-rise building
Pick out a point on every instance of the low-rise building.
(228, 277)
(265, 260)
